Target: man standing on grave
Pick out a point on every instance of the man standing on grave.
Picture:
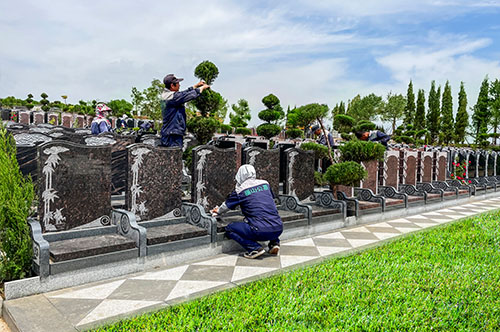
(373, 136)
(262, 221)
(316, 130)
(100, 124)
(173, 110)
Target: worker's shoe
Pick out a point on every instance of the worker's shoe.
(274, 249)
(254, 254)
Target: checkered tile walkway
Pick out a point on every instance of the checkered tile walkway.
(91, 304)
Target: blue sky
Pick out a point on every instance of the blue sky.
(302, 51)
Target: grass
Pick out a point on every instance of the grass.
(445, 279)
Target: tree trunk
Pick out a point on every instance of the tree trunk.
(327, 141)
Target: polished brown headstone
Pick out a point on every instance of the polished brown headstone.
(213, 175)
(79, 121)
(75, 184)
(24, 117)
(38, 117)
(54, 118)
(391, 169)
(410, 167)
(266, 164)
(442, 165)
(67, 120)
(299, 173)
(371, 180)
(427, 166)
(154, 186)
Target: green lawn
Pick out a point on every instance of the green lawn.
(446, 279)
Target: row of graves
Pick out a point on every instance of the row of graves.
(57, 118)
(80, 178)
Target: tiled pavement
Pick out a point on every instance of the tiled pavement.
(91, 305)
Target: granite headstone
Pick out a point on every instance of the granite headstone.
(442, 165)
(371, 180)
(266, 163)
(154, 186)
(213, 175)
(299, 173)
(75, 184)
(391, 169)
(410, 167)
(426, 169)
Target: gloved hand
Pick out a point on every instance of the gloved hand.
(215, 211)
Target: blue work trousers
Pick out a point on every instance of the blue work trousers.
(247, 235)
(172, 140)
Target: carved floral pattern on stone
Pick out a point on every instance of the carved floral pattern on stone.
(50, 194)
(200, 187)
(136, 189)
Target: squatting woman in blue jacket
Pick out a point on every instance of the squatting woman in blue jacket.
(262, 221)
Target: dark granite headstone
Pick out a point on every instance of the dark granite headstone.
(299, 173)
(391, 169)
(483, 164)
(427, 166)
(492, 160)
(24, 117)
(266, 163)
(472, 164)
(67, 120)
(38, 117)
(213, 172)
(410, 167)
(372, 178)
(283, 163)
(442, 165)
(154, 186)
(5, 114)
(75, 184)
(26, 154)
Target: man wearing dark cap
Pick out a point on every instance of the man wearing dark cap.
(173, 110)
(316, 130)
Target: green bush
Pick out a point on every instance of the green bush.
(187, 156)
(347, 173)
(343, 123)
(243, 131)
(403, 139)
(365, 125)
(206, 71)
(347, 137)
(268, 130)
(294, 133)
(320, 150)
(226, 129)
(359, 151)
(203, 128)
(319, 179)
(269, 115)
(16, 197)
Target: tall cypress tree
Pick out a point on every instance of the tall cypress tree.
(495, 107)
(419, 122)
(462, 116)
(410, 105)
(447, 127)
(433, 115)
(481, 116)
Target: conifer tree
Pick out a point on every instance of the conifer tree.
(447, 127)
(495, 107)
(419, 122)
(433, 115)
(462, 116)
(410, 105)
(481, 115)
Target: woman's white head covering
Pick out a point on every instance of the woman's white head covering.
(244, 173)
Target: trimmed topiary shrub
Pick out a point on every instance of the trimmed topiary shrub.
(226, 129)
(16, 197)
(294, 133)
(243, 131)
(359, 151)
(319, 179)
(268, 130)
(203, 128)
(348, 173)
(365, 125)
(320, 150)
